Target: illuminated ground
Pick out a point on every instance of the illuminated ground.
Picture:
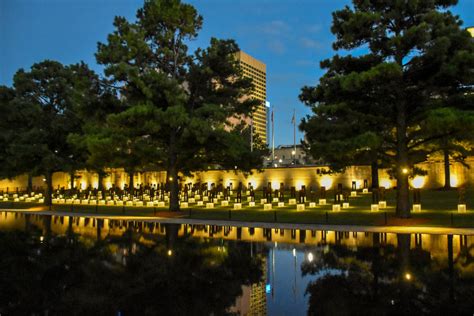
(439, 209)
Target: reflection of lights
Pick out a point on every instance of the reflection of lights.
(293, 152)
(41, 238)
(280, 161)
(268, 288)
(294, 252)
(408, 276)
(170, 252)
(418, 182)
(276, 165)
(326, 182)
(405, 171)
(171, 178)
(310, 257)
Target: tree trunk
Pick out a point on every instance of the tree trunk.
(403, 197)
(375, 175)
(172, 174)
(100, 183)
(447, 172)
(30, 183)
(71, 175)
(131, 184)
(49, 189)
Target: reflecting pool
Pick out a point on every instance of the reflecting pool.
(53, 265)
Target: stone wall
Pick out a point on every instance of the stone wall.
(310, 176)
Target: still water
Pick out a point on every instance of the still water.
(52, 265)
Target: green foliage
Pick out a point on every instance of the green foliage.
(176, 105)
(418, 60)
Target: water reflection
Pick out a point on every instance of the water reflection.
(77, 265)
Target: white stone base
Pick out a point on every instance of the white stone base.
(267, 206)
(336, 208)
(382, 204)
(191, 200)
(251, 203)
(345, 205)
(365, 191)
(300, 207)
(374, 208)
(161, 204)
(225, 203)
(119, 203)
(184, 205)
(416, 207)
(281, 204)
(353, 193)
(461, 208)
(275, 200)
(322, 202)
(312, 204)
(237, 206)
(292, 201)
(209, 205)
(263, 201)
(200, 203)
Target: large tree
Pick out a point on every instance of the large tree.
(416, 58)
(178, 104)
(44, 101)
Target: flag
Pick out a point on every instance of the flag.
(293, 120)
(272, 116)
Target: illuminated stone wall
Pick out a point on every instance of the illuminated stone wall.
(309, 176)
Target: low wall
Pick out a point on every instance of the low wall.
(310, 176)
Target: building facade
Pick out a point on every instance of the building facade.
(257, 70)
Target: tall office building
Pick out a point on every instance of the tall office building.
(471, 30)
(256, 70)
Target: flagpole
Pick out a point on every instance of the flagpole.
(294, 135)
(273, 138)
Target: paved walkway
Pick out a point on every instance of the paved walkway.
(174, 218)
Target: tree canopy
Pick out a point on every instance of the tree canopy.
(417, 59)
(177, 105)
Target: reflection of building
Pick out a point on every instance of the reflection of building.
(256, 70)
(286, 155)
(253, 301)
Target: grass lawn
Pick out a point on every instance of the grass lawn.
(439, 208)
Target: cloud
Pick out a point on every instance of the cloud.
(315, 28)
(276, 46)
(310, 43)
(306, 63)
(275, 27)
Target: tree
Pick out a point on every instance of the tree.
(177, 104)
(43, 98)
(458, 128)
(94, 99)
(339, 132)
(417, 59)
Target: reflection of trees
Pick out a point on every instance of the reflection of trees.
(384, 279)
(61, 275)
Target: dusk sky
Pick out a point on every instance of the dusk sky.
(290, 37)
